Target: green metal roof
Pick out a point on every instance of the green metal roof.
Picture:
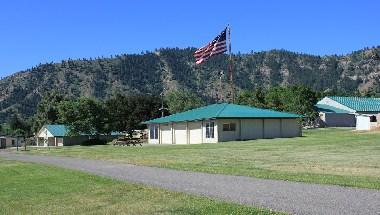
(359, 104)
(63, 131)
(223, 110)
(58, 130)
(329, 109)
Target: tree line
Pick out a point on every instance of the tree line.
(124, 113)
(119, 113)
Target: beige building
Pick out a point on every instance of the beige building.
(360, 112)
(58, 135)
(6, 142)
(223, 122)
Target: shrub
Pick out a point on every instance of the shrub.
(92, 142)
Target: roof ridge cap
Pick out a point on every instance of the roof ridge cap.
(221, 110)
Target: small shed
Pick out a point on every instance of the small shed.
(223, 122)
(6, 142)
(367, 122)
(58, 135)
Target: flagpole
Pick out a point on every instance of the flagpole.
(221, 95)
(230, 65)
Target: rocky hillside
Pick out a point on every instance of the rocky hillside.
(168, 69)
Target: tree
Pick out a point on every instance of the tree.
(5, 129)
(255, 98)
(127, 113)
(275, 98)
(83, 116)
(19, 128)
(47, 110)
(182, 100)
(296, 99)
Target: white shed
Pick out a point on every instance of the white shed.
(223, 122)
(367, 122)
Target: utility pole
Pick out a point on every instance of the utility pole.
(162, 109)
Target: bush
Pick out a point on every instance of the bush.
(93, 142)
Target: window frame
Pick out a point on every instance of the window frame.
(231, 126)
(153, 132)
(210, 130)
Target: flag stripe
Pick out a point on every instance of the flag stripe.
(217, 46)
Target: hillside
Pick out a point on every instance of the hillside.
(169, 69)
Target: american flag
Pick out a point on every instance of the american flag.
(215, 47)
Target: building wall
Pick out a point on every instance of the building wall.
(228, 135)
(44, 133)
(291, 128)
(272, 128)
(51, 141)
(12, 141)
(363, 123)
(166, 133)
(249, 129)
(184, 133)
(339, 120)
(70, 141)
(59, 141)
(245, 129)
(195, 132)
(252, 129)
(180, 133)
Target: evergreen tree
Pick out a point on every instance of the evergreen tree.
(182, 100)
(83, 116)
(47, 110)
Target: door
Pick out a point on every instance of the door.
(3, 143)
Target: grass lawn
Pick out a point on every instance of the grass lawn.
(39, 189)
(326, 156)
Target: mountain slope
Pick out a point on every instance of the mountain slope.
(169, 69)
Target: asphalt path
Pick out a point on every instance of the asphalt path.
(286, 196)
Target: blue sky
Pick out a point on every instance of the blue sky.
(40, 31)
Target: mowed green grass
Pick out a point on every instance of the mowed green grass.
(38, 189)
(326, 156)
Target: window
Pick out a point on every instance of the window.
(13, 142)
(210, 129)
(372, 119)
(229, 127)
(153, 132)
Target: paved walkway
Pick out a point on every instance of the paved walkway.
(291, 197)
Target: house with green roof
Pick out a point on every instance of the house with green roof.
(359, 112)
(222, 122)
(58, 135)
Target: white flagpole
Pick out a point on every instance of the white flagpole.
(230, 65)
